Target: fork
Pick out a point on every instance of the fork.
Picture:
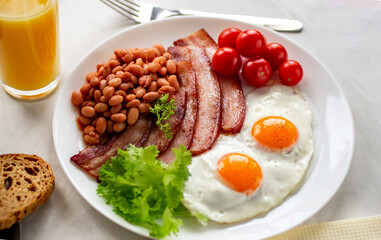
(141, 12)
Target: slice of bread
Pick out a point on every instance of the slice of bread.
(26, 182)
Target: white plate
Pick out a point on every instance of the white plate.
(333, 130)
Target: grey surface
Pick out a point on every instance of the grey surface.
(344, 35)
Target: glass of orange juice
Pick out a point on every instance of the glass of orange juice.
(29, 47)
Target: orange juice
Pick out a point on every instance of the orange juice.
(29, 44)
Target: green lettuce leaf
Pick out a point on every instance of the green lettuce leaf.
(145, 191)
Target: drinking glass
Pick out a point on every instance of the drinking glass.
(29, 47)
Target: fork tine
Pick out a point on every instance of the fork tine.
(128, 4)
(120, 9)
(133, 2)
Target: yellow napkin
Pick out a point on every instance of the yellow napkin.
(367, 228)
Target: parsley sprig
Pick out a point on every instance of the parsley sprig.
(163, 109)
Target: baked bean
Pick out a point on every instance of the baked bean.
(94, 135)
(85, 88)
(102, 85)
(116, 108)
(130, 97)
(113, 57)
(150, 54)
(118, 117)
(124, 111)
(120, 93)
(110, 126)
(124, 87)
(157, 52)
(100, 71)
(133, 115)
(135, 70)
(95, 81)
(103, 99)
(139, 62)
(144, 107)
(154, 76)
(115, 100)
(84, 120)
(119, 126)
(132, 62)
(106, 70)
(91, 92)
(99, 66)
(123, 75)
(114, 63)
(131, 84)
(167, 55)
(159, 47)
(154, 66)
(166, 89)
(172, 97)
(162, 82)
(152, 87)
(107, 114)
(138, 53)
(97, 95)
(128, 57)
(89, 76)
(163, 70)
(88, 103)
(161, 60)
(172, 80)
(101, 107)
(110, 77)
(76, 98)
(88, 111)
(171, 66)
(144, 80)
(91, 139)
(133, 104)
(115, 82)
(120, 53)
(117, 69)
(89, 129)
(140, 91)
(151, 96)
(134, 80)
(145, 68)
(108, 92)
(100, 125)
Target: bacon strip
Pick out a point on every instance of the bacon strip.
(93, 157)
(208, 121)
(187, 81)
(157, 136)
(233, 99)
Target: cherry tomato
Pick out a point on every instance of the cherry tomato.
(226, 61)
(250, 43)
(256, 72)
(275, 54)
(290, 72)
(228, 37)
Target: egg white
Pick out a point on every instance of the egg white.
(205, 193)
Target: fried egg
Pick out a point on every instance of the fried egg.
(252, 172)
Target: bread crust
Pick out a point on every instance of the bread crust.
(26, 182)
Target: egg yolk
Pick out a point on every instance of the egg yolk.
(275, 132)
(241, 172)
